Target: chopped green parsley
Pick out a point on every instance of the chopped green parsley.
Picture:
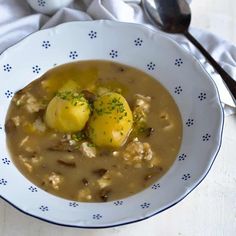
(74, 97)
(79, 136)
(114, 105)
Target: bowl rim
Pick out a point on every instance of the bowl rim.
(194, 185)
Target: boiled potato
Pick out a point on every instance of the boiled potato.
(111, 121)
(68, 111)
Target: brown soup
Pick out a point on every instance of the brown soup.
(93, 131)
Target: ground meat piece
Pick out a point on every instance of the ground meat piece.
(16, 120)
(54, 180)
(39, 125)
(20, 98)
(147, 151)
(140, 111)
(84, 194)
(29, 101)
(104, 181)
(155, 162)
(32, 105)
(143, 102)
(88, 150)
(106, 178)
(137, 151)
(30, 160)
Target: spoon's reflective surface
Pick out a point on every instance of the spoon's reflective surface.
(174, 16)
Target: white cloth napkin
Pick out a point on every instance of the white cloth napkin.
(17, 20)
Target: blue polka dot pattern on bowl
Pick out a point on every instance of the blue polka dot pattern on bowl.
(44, 208)
(113, 53)
(7, 68)
(92, 34)
(156, 186)
(46, 44)
(73, 54)
(97, 216)
(33, 189)
(178, 62)
(9, 94)
(182, 157)
(206, 137)
(145, 205)
(178, 90)
(6, 161)
(118, 203)
(138, 42)
(151, 66)
(202, 96)
(186, 176)
(73, 204)
(36, 69)
(3, 182)
(189, 122)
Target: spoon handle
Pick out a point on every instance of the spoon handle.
(228, 80)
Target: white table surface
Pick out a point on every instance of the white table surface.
(209, 210)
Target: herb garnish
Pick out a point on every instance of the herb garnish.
(114, 105)
(90, 145)
(79, 136)
(74, 97)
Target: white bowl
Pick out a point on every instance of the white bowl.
(135, 45)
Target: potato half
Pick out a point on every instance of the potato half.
(67, 112)
(111, 121)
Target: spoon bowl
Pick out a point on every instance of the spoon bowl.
(172, 16)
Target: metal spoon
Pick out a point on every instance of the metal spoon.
(174, 16)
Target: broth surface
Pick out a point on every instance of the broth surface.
(55, 162)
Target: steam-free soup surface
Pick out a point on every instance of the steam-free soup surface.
(77, 156)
